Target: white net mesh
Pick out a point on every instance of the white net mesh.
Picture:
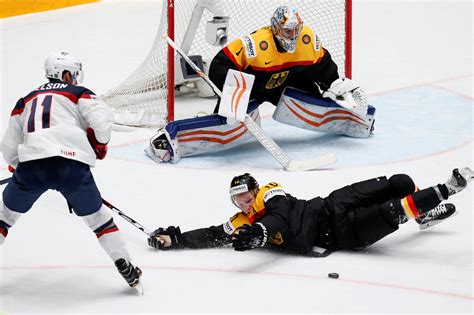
(141, 100)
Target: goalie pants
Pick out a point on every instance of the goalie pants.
(360, 214)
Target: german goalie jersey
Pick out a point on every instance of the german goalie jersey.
(260, 54)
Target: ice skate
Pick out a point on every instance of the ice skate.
(437, 215)
(130, 273)
(459, 179)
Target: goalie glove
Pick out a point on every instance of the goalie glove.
(165, 239)
(100, 149)
(249, 237)
(349, 95)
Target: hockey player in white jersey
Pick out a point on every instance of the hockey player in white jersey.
(54, 135)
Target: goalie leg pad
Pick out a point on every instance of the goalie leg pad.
(310, 112)
(201, 135)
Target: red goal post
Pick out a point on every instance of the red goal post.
(144, 99)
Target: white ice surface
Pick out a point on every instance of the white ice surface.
(415, 60)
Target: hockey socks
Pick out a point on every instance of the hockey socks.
(3, 231)
(422, 201)
(108, 235)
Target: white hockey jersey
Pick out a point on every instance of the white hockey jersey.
(52, 121)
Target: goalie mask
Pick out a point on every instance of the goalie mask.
(242, 184)
(286, 27)
(60, 61)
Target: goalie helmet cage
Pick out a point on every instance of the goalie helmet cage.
(144, 99)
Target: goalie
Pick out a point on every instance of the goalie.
(351, 217)
(293, 71)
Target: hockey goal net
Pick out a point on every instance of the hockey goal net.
(146, 98)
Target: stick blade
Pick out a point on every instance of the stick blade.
(313, 164)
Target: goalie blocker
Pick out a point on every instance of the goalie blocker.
(212, 133)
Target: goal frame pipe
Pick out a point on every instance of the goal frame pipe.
(170, 83)
(170, 5)
(348, 52)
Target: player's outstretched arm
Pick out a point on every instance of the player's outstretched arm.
(172, 238)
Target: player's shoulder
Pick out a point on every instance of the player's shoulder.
(235, 222)
(270, 190)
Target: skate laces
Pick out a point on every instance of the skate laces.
(438, 210)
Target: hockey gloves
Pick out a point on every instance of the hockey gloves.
(165, 239)
(100, 149)
(249, 237)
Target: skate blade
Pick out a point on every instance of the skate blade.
(436, 222)
(139, 288)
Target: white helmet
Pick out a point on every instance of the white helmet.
(60, 61)
(286, 27)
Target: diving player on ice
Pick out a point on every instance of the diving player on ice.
(351, 217)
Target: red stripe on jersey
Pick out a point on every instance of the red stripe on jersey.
(284, 66)
(86, 95)
(17, 111)
(106, 231)
(4, 232)
(73, 98)
(229, 54)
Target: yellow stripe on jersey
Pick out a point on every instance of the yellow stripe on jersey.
(258, 51)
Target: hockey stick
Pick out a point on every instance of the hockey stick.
(111, 207)
(256, 130)
(126, 217)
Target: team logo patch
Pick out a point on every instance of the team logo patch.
(228, 228)
(306, 39)
(272, 193)
(263, 45)
(277, 79)
(249, 46)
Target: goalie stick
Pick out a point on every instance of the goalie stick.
(257, 132)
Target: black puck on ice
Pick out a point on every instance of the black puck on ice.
(333, 275)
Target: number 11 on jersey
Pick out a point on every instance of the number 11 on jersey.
(45, 115)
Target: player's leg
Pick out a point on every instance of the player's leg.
(77, 185)
(375, 222)
(312, 112)
(19, 195)
(198, 135)
(369, 192)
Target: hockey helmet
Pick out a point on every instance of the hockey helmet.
(60, 61)
(241, 184)
(286, 27)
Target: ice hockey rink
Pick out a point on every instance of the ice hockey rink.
(415, 60)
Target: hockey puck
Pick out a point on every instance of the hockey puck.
(333, 275)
